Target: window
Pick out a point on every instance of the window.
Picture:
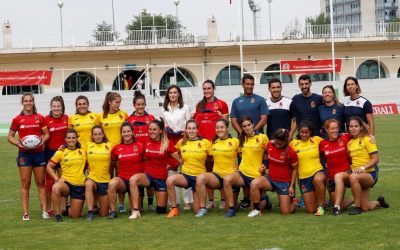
(126, 80)
(322, 77)
(81, 82)
(265, 77)
(369, 70)
(18, 90)
(183, 79)
(230, 75)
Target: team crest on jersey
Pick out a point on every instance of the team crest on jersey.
(135, 148)
(312, 104)
(253, 100)
(311, 141)
(257, 140)
(334, 111)
(91, 118)
(147, 120)
(36, 119)
(340, 142)
(215, 106)
(199, 145)
(121, 117)
(280, 104)
(230, 144)
(80, 152)
(107, 147)
(64, 120)
(283, 155)
(358, 103)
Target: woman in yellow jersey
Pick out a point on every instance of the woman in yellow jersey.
(111, 119)
(194, 151)
(252, 147)
(311, 173)
(364, 160)
(83, 120)
(72, 160)
(224, 150)
(96, 185)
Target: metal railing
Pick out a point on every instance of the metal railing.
(176, 36)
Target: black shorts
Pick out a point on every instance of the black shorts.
(191, 180)
(158, 184)
(76, 192)
(128, 190)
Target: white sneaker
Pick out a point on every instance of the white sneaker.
(46, 216)
(25, 217)
(135, 214)
(222, 205)
(254, 213)
(210, 205)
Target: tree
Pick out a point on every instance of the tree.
(103, 33)
(146, 27)
(321, 19)
(318, 26)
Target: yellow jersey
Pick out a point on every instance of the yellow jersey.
(98, 158)
(194, 155)
(83, 125)
(359, 150)
(252, 155)
(112, 125)
(72, 164)
(308, 153)
(224, 153)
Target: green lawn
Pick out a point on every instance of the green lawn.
(374, 230)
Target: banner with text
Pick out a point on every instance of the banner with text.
(4, 128)
(385, 109)
(26, 77)
(310, 66)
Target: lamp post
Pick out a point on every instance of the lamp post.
(60, 5)
(176, 2)
(113, 19)
(269, 14)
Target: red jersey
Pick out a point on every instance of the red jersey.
(130, 159)
(207, 117)
(57, 130)
(28, 125)
(140, 126)
(280, 161)
(335, 153)
(155, 161)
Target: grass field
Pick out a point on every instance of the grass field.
(373, 230)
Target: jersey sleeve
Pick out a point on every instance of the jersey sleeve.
(70, 122)
(57, 156)
(265, 141)
(43, 123)
(171, 147)
(14, 125)
(368, 107)
(293, 157)
(234, 111)
(224, 108)
(208, 147)
(114, 156)
(263, 107)
(371, 147)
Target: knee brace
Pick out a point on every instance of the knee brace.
(161, 210)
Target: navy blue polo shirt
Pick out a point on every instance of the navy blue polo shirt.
(332, 112)
(307, 108)
(358, 107)
(281, 114)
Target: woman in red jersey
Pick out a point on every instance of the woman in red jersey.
(334, 150)
(127, 159)
(140, 120)
(282, 173)
(156, 152)
(57, 124)
(29, 122)
(208, 111)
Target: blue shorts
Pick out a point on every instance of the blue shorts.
(76, 192)
(102, 188)
(128, 190)
(27, 159)
(191, 180)
(306, 184)
(247, 180)
(374, 175)
(281, 188)
(49, 153)
(158, 184)
(220, 179)
(331, 186)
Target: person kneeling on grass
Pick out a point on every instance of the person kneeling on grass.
(364, 158)
(281, 176)
(72, 160)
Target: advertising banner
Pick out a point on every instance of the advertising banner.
(310, 66)
(26, 77)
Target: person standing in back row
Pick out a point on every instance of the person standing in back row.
(305, 106)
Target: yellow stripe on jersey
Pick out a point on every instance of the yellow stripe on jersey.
(359, 150)
(194, 155)
(99, 157)
(112, 125)
(252, 155)
(72, 164)
(308, 152)
(83, 125)
(224, 153)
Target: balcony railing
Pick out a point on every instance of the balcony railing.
(173, 36)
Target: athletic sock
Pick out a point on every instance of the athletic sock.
(256, 205)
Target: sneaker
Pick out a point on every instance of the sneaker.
(301, 203)
(121, 208)
(25, 216)
(90, 216)
(112, 215)
(135, 215)
(230, 213)
(46, 216)
(382, 202)
(222, 205)
(201, 212)
(187, 206)
(58, 218)
(210, 205)
(173, 212)
(320, 211)
(151, 207)
(355, 211)
(335, 211)
(254, 213)
(245, 203)
(66, 210)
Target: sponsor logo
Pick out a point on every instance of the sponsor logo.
(312, 104)
(334, 111)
